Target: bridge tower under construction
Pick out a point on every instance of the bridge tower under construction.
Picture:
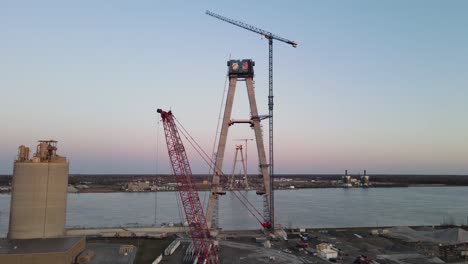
(242, 182)
(239, 70)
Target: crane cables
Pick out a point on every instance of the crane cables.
(220, 110)
(248, 205)
(205, 203)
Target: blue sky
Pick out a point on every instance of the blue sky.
(376, 85)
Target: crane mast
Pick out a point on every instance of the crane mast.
(270, 37)
(198, 229)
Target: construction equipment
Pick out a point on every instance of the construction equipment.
(198, 229)
(270, 37)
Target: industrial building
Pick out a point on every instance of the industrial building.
(348, 181)
(365, 181)
(39, 193)
(63, 250)
(38, 209)
(139, 186)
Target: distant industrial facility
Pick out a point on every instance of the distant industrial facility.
(348, 181)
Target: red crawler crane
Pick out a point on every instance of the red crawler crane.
(198, 229)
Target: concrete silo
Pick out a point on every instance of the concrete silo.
(39, 193)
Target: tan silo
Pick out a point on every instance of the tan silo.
(39, 194)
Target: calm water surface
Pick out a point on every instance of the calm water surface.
(302, 208)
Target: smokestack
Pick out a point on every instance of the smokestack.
(346, 172)
(365, 173)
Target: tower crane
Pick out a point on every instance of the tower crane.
(270, 37)
(198, 229)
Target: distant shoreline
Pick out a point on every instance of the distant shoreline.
(112, 183)
(113, 190)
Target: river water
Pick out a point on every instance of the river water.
(334, 207)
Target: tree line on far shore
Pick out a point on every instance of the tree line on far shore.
(110, 179)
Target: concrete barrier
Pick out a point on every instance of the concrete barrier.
(172, 247)
(158, 259)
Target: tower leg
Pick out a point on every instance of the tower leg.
(260, 146)
(246, 182)
(215, 186)
(231, 181)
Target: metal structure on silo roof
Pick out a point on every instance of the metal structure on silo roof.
(39, 193)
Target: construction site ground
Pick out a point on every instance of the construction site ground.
(241, 247)
(107, 250)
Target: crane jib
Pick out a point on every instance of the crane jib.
(266, 34)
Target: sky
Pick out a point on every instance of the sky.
(376, 85)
